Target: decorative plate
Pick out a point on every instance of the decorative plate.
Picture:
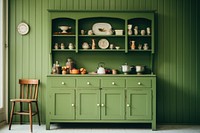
(23, 28)
(101, 28)
(103, 43)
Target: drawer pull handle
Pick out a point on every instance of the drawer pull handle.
(72, 105)
(113, 83)
(63, 83)
(98, 105)
(139, 83)
(88, 83)
(102, 105)
(128, 105)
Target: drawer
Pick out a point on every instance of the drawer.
(88, 82)
(113, 82)
(139, 82)
(61, 82)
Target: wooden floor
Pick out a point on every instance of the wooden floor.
(79, 128)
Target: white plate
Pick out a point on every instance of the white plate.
(101, 28)
(103, 43)
(23, 28)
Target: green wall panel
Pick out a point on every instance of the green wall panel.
(176, 58)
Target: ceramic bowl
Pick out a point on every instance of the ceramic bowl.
(64, 28)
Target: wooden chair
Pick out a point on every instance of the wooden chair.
(28, 95)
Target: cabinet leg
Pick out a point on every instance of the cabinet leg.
(47, 125)
(153, 126)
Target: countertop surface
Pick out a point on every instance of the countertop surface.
(102, 75)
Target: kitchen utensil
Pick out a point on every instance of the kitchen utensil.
(126, 68)
(64, 28)
(101, 69)
(102, 29)
(139, 69)
(103, 43)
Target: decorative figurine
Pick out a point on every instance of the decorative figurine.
(132, 45)
(130, 29)
(93, 44)
(136, 30)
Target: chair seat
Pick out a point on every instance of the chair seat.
(25, 113)
(23, 100)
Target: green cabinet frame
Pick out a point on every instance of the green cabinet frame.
(139, 104)
(106, 98)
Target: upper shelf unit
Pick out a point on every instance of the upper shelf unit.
(89, 31)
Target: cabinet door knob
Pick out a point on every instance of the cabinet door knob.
(72, 105)
(63, 83)
(88, 83)
(98, 105)
(128, 105)
(113, 83)
(139, 83)
(102, 105)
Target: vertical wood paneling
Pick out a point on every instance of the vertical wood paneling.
(186, 58)
(63, 4)
(176, 58)
(107, 4)
(12, 49)
(173, 55)
(159, 58)
(193, 45)
(167, 60)
(198, 57)
(179, 62)
(32, 40)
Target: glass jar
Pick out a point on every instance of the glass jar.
(70, 64)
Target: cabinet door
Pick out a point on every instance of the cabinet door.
(88, 104)
(139, 104)
(62, 104)
(112, 104)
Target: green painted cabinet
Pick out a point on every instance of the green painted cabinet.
(87, 105)
(139, 104)
(112, 104)
(126, 98)
(101, 98)
(62, 104)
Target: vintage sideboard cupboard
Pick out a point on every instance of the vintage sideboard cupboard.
(102, 98)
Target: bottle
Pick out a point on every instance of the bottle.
(54, 69)
(58, 68)
(132, 45)
(70, 64)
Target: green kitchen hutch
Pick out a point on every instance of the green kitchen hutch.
(101, 98)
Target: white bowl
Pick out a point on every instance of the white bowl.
(64, 28)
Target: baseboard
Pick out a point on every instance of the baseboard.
(2, 123)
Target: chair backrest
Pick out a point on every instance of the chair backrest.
(29, 88)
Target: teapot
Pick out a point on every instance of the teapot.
(101, 69)
(126, 68)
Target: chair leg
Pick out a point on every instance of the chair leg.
(30, 116)
(11, 114)
(21, 111)
(38, 114)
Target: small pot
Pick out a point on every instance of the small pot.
(139, 69)
(126, 68)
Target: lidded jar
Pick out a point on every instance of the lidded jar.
(70, 63)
